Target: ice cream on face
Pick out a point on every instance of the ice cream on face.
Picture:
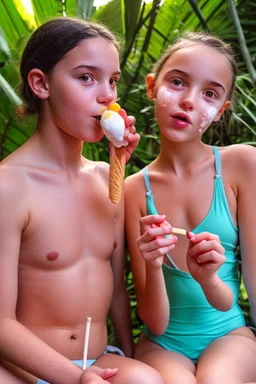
(163, 96)
(113, 127)
(208, 117)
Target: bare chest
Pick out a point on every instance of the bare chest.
(67, 224)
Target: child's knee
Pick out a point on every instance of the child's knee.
(143, 374)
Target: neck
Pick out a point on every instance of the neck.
(182, 156)
(58, 149)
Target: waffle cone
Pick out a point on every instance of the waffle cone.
(116, 174)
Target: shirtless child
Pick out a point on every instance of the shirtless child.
(62, 240)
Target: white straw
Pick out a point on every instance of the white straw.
(86, 341)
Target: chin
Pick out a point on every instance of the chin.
(94, 139)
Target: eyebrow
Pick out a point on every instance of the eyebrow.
(93, 68)
(212, 83)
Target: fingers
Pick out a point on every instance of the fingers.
(129, 120)
(156, 248)
(196, 238)
(148, 221)
(109, 372)
(205, 246)
(212, 257)
(130, 134)
(152, 243)
(104, 373)
(123, 113)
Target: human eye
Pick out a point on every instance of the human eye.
(210, 94)
(177, 82)
(113, 82)
(86, 78)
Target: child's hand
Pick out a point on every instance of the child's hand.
(204, 257)
(96, 375)
(130, 133)
(152, 243)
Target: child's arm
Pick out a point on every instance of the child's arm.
(146, 251)
(246, 165)
(204, 257)
(18, 345)
(120, 312)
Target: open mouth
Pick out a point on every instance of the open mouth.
(98, 117)
(181, 118)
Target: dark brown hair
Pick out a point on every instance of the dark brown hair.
(188, 39)
(48, 45)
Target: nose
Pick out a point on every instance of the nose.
(106, 94)
(187, 103)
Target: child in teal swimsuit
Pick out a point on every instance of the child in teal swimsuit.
(187, 286)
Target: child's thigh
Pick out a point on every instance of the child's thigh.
(175, 368)
(230, 359)
(130, 371)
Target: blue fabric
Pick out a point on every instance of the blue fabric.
(77, 362)
(193, 322)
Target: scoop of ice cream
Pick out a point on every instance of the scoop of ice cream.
(113, 126)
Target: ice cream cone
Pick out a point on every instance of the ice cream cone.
(116, 173)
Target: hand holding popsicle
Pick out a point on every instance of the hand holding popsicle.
(156, 239)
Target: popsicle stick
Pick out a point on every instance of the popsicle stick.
(86, 341)
(179, 231)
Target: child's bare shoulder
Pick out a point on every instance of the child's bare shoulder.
(134, 182)
(242, 154)
(12, 176)
(239, 163)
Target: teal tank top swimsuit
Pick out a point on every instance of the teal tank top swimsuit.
(193, 322)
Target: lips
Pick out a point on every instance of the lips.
(182, 117)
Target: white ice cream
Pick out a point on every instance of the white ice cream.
(113, 127)
(208, 117)
(163, 96)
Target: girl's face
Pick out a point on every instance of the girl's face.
(191, 91)
(80, 84)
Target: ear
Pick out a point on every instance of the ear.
(222, 110)
(150, 84)
(38, 83)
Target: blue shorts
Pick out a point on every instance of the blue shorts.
(109, 349)
(77, 362)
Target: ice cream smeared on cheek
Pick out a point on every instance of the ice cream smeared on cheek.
(163, 96)
(208, 117)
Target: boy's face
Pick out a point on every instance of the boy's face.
(191, 91)
(80, 84)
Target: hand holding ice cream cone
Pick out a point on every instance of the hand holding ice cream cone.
(115, 122)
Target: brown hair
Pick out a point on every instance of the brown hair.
(191, 38)
(48, 45)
